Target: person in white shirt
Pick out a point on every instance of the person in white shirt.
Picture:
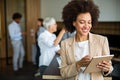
(48, 43)
(16, 37)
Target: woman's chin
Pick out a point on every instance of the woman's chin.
(85, 34)
(54, 30)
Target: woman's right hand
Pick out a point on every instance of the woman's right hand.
(83, 62)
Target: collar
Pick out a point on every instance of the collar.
(73, 38)
(15, 23)
(48, 33)
(71, 45)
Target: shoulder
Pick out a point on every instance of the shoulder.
(42, 35)
(97, 36)
(11, 26)
(45, 35)
(68, 41)
(42, 28)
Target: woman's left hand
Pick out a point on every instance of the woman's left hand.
(104, 66)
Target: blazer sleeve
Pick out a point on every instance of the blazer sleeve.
(67, 70)
(106, 51)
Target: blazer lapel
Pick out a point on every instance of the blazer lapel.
(71, 49)
(91, 45)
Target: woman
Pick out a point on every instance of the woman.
(48, 43)
(40, 30)
(77, 51)
(40, 26)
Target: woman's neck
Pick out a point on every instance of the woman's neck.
(50, 31)
(80, 38)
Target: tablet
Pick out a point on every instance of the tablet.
(92, 67)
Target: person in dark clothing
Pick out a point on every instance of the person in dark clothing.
(39, 31)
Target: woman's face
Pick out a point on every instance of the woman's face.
(83, 23)
(53, 27)
(18, 20)
(39, 23)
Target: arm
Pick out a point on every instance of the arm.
(105, 66)
(59, 37)
(51, 42)
(71, 69)
(106, 51)
(67, 70)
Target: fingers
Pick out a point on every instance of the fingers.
(104, 66)
(84, 61)
(86, 58)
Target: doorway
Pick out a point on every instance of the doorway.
(0, 36)
(30, 11)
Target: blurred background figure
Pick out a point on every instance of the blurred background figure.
(16, 37)
(48, 43)
(68, 35)
(40, 29)
(35, 47)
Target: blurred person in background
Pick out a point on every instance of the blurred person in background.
(48, 43)
(16, 40)
(40, 30)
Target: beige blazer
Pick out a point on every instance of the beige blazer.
(98, 46)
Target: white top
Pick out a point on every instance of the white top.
(15, 31)
(47, 48)
(82, 49)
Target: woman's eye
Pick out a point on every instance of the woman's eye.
(89, 22)
(81, 22)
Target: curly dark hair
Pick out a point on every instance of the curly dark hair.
(16, 16)
(74, 8)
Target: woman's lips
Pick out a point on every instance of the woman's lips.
(84, 30)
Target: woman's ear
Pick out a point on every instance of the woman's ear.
(74, 23)
(49, 28)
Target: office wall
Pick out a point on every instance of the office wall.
(109, 9)
(52, 8)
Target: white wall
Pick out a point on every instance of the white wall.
(53, 8)
(109, 9)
